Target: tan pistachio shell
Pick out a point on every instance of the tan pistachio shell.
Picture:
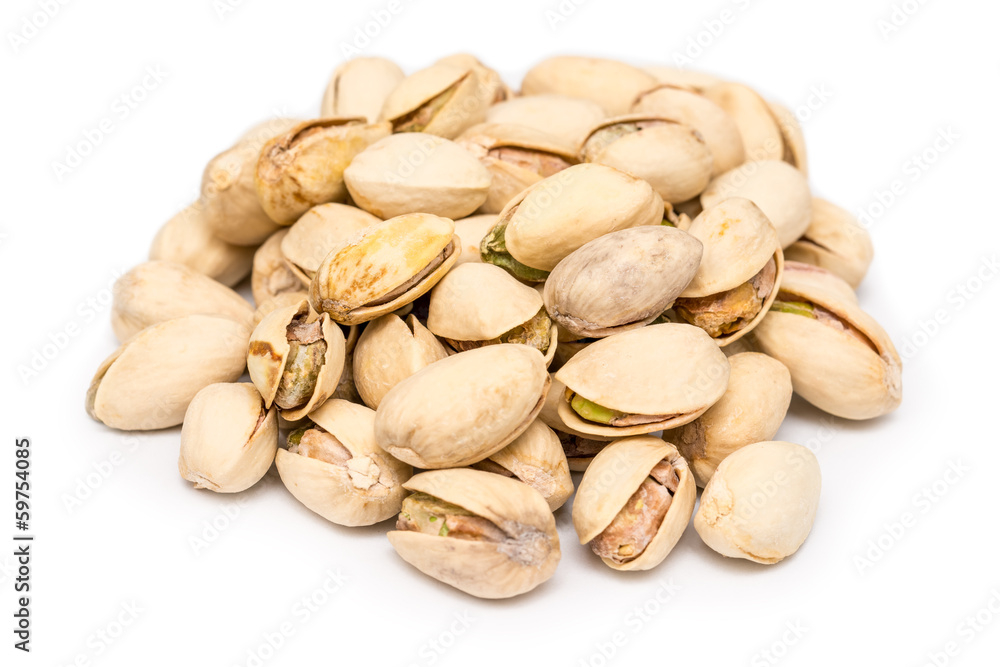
(471, 231)
(566, 118)
(485, 569)
(225, 446)
(613, 476)
(751, 410)
(358, 88)
(835, 241)
(470, 97)
(762, 138)
(272, 276)
(682, 78)
(148, 382)
(321, 229)
(761, 502)
(494, 89)
(368, 489)
(819, 280)
(187, 239)
(549, 414)
(462, 409)
(282, 300)
(536, 458)
(792, 137)
(613, 85)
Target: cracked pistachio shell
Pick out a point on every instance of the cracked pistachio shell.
(621, 281)
(415, 172)
(229, 438)
(751, 410)
(267, 355)
(761, 502)
(468, 97)
(613, 476)
(835, 241)
(358, 88)
(536, 458)
(832, 369)
(792, 137)
(228, 194)
(611, 84)
(480, 302)
(367, 489)
(305, 166)
(380, 260)
(762, 138)
(462, 409)
(674, 370)
(149, 381)
(670, 156)
(716, 127)
(272, 276)
(187, 239)
(471, 231)
(565, 118)
(549, 414)
(282, 300)
(321, 229)
(154, 292)
(389, 351)
(493, 88)
(526, 558)
(777, 188)
(682, 78)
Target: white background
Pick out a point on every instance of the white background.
(854, 593)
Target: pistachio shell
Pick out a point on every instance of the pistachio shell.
(272, 276)
(762, 139)
(682, 78)
(471, 231)
(613, 85)
(148, 382)
(415, 172)
(819, 279)
(282, 300)
(536, 458)
(792, 137)
(834, 241)
(549, 414)
(358, 88)
(566, 118)
(761, 502)
(464, 408)
(229, 439)
(469, 96)
(493, 88)
(321, 229)
(187, 239)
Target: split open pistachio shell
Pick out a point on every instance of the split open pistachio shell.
(154, 292)
(566, 118)
(272, 276)
(779, 189)
(187, 239)
(358, 88)
(622, 280)
(282, 300)
(305, 166)
(762, 137)
(761, 502)
(835, 241)
(634, 502)
(149, 381)
(657, 377)
(471, 231)
(682, 78)
(751, 410)
(841, 360)
(334, 466)
(740, 271)
(481, 304)
(321, 229)
(296, 362)
(613, 85)
(462, 409)
(229, 438)
(442, 100)
(792, 137)
(671, 157)
(384, 267)
(554, 217)
(486, 535)
(815, 278)
(493, 88)
(415, 172)
(716, 127)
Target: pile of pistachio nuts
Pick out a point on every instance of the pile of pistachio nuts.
(619, 271)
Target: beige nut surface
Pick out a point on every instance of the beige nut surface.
(187, 239)
(566, 118)
(612, 84)
(358, 88)
(835, 241)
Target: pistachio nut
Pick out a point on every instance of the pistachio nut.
(494, 90)
(305, 166)
(740, 269)
(644, 380)
(634, 502)
(334, 466)
(779, 189)
(554, 217)
(613, 85)
(762, 137)
(481, 304)
(550, 416)
(272, 275)
(682, 78)
(442, 100)
(346, 389)
(791, 136)
(486, 535)
(228, 439)
(671, 157)
(417, 173)
(761, 502)
(462, 409)
(154, 292)
(580, 451)
(149, 381)
(384, 267)
(751, 410)
(321, 229)
(296, 363)
(840, 359)
(471, 231)
(622, 280)
(187, 239)
(835, 241)
(566, 118)
(389, 351)
(358, 88)
(282, 300)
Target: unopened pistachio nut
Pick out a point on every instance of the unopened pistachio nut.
(272, 275)
(484, 534)
(634, 502)
(762, 137)
(442, 100)
(187, 239)
(334, 466)
(321, 229)
(835, 241)
(229, 438)
(358, 88)
(471, 231)
(761, 502)
(613, 85)
(566, 118)
(149, 381)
